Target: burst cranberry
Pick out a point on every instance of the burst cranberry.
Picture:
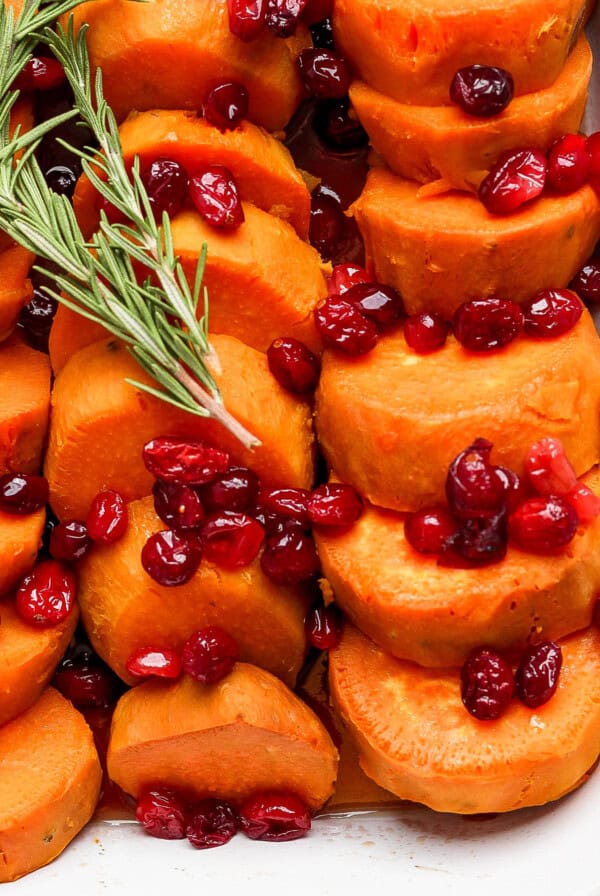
(338, 127)
(45, 597)
(568, 164)
(482, 90)
(323, 626)
(290, 558)
(287, 502)
(537, 677)
(35, 320)
(472, 487)
(70, 541)
(246, 18)
(236, 489)
(551, 312)
(22, 493)
(428, 530)
(180, 461)
(169, 558)
(518, 177)
(484, 325)
(275, 817)
(593, 148)
(585, 503)
(166, 183)
(213, 823)
(548, 468)
(209, 655)
(328, 224)
(156, 662)
(84, 680)
(487, 684)
(324, 73)
(226, 105)
(425, 332)
(334, 504)
(543, 525)
(586, 282)
(283, 16)
(108, 518)
(293, 365)
(162, 814)
(478, 542)
(514, 488)
(342, 326)
(231, 540)
(381, 304)
(344, 277)
(179, 506)
(215, 195)
(40, 73)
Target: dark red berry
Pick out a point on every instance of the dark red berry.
(246, 18)
(215, 195)
(548, 469)
(536, 679)
(514, 488)
(344, 277)
(324, 73)
(70, 541)
(169, 558)
(551, 312)
(213, 823)
(286, 502)
(181, 461)
(275, 817)
(226, 105)
(290, 558)
(108, 518)
(323, 626)
(209, 655)
(293, 365)
(473, 489)
(568, 164)
(231, 539)
(482, 90)
(478, 542)
(45, 597)
(276, 523)
(484, 325)
(543, 525)
(321, 30)
(342, 326)
(22, 493)
(428, 530)
(316, 11)
(166, 183)
(156, 662)
(328, 223)
(585, 503)
(39, 73)
(84, 680)
(381, 304)
(518, 177)
(338, 127)
(162, 814)
(586, 282)
(283, 16)
(487, 684)
(425, 332)
(236, 489)
(179, 506)
(334, 504)
(35, 320)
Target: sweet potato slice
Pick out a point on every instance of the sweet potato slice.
(247, 733)
(426, 143)
(416, 739)
(395, 445)
(167, 54)
(24, 406)
(100, 424)
(49, 783)
(20, 539)
(15, 286)
(443, 250)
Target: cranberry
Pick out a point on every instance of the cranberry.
(324, 73)
(322, 33)
(318, 11)
(593, 148)
(35, 320)
(344, 277)
(551, 312)
(162, 814)
(166, 183)
(84, 680)
(328, 224)
(473, 488)
(514, 489)
(586, 282)
(246, 18)
(290, 558)
(286, 502)
(179, 461)
(209, 655)
(108, 518)
(518, 177)
(40, 73)
(62, 179)
(342, 326)
(276, 523)
(484, 325)
(226, 105)
(215, 195)
(568, 164)
(293, 365)
(536, 679)
(487, 684)
(231, 540)
(22, 493)
(236, 489)
(179, 506)
(283, 16)
(323, 626)
(334, 504)
(158, 662)
(585, 503)
(169, 558)
(213, 823)
(381, 304)
(45, 597)
(548, 468)
(543, 525)
(482, 90)
(427, 530)
(478, 542)
(69, 541)
(425, 332)
(275, 817)
(338, 127)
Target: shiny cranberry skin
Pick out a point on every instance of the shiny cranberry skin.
(287, 502)
(322, 33)
(568, 164)
(293, 365)
(551, 312)
(473, 489)
(324, 73)
(482, 90)
(162, 814)
(215, 196)
(275, 817)
(108, 518)
(275, 523)
(45, 597)
(344, 277)
(231, 539)
(343, 327)
(236, 489)
(514, 488)
(427, 530)
(70, 541)
(334, 504)
(156, 662)
(586, 282)
(323, 626)
(290, 558)
(283, 16)
(548, 468)
(487, 684)
(536, 678)
(35, 320)
(84, 680)
(213, 823)
(543, 525)
(246, 18)
(169, 558)
(425, 332)
(518, 177)
(484, 325)
(226, 105)
(22, 494)
(381, 304)
(209, 655)
(585, 503)
(181, 461)
(479, 542)
(40, 73)
(166, 183)
(328, 223)
(179, 506)
(338, 127)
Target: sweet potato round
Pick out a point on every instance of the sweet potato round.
(20, 540)
(24, 406)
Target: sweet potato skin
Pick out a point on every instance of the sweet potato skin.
(24, 406)
(20, 540)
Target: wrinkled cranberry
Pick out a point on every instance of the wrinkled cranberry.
(536, 678)
(324, 73)
(166, 183)
(478, 542)
(484, 325)
(215, 195)
(586, 282)
(425, 332)
(334, 504)
(283, 16)
(246, 18)
(181, 461)
(473, 488)
(342, 326)
(323, 626)
(328, 224)
(338, 127)
(543, 525)
(108, 518)
(322, 34)
(231, 539)
(568, 164)
(514, 488)
(482, 90)
(69, 541)
(169, 558)
(287, 502)
(551, 312)
(428, 530)
(290, 558)
(209, 655)
(585, 503)
(379, 303)
(84, 680)
(40, 73)
(213, 823)
(548, 468)
(22, 493)
(487, 684)
(226, 105)
(177, 505)
(518, 177)
(344, 277)
(156, 662)
(45, 597)
(293, 365)
(162, 814)
(236, 489)
(35, 320)
(275, 817)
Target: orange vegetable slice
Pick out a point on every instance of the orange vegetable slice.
(24, 406)
(20, 539)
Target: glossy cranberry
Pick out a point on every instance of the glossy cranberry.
(334, 504)
(290, 558)
(543, 525)
(327, 228)
(478, 542)
(213, 823)
(155, 662)
(226, 105)
(551, 312)
(247, 18)
(209, 655)
(108, 518)
(166, 183)
(585, 503)
(344, 277)
(162, 814)
(484, 325)
(70, 541)
(275, 523)
(291, 503)
(536, 678)
(179, 506)
(482, 90)
(343, 327)
(427, 530)
(518, 177)
(62, 179)
(84, 680)
(568, 164)
(231, 539)
(586, 282)
(45, 597)
(236, 489)
(473, 489)
(181, 461)
(379, 303)
(322, 34)
(169, 558)
(323, 626)
(215, 195)
(324, 73)
(22, 494)
(293, 365)
(283, 16)
(548, 469)
(425, 332)
(275, 817)
(40, 73)
(337, 126)
(487, 684)
(593, 148)
(514, 488)
(35, 320)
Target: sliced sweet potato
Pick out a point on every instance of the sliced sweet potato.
(247, 733)
(427, 143)
(167, 54)
(49, 783)
(443, 250)
(15, 286)
(20, 539)
(416, 739)
(100, 424)
(24, 406)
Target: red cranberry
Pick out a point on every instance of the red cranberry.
(290, 558)
(482, 90)
(328, 223)
(586, 282)
(226, 105)
(276, 523)
(342, 326)
(334, 504)
(551, 312)
(180, 461)
(381, 304)
(536, 679)
(246, 18)
(478, 542)
(179, 506)
(473, 488)
(169, 558)
(338, 127)
(321, 29)
(70, 541)
(293, 365)
(514, 489)
(428, 530)
(425, 332)
(215, 195)
(45, 597)
(84, 680)
(316, 11)
(543, 525)
(548, 468)
(236, 489)
(22, 494)
(585, 503)
(213, 823)
(283, 16)
(487, 684)
(593, 148)
(209, 655)
(162, 814)
(35, 320)
(518, 177)
(323, 626)
(275, 817)
(324, 73)
(108, 518)
(286, 502)
(568, 164)
(158, 662)
(231, 540)
(484, 325)
(166, 183)
(40, 73)
(344, 277)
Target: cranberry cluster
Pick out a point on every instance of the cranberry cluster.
(207, 656)
(250, 19)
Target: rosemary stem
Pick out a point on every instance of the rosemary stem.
(215, 409)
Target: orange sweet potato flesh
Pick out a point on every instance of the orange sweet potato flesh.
(49, 783)
(15, 286)
(410, 50)
(247, 733)
(416, 739)
(427, 143)
(24, 406)
(263, 168)
(20, 539)
(167, 54)
(100, 424)
(395, 445)
(435, 616)
(443, 250)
